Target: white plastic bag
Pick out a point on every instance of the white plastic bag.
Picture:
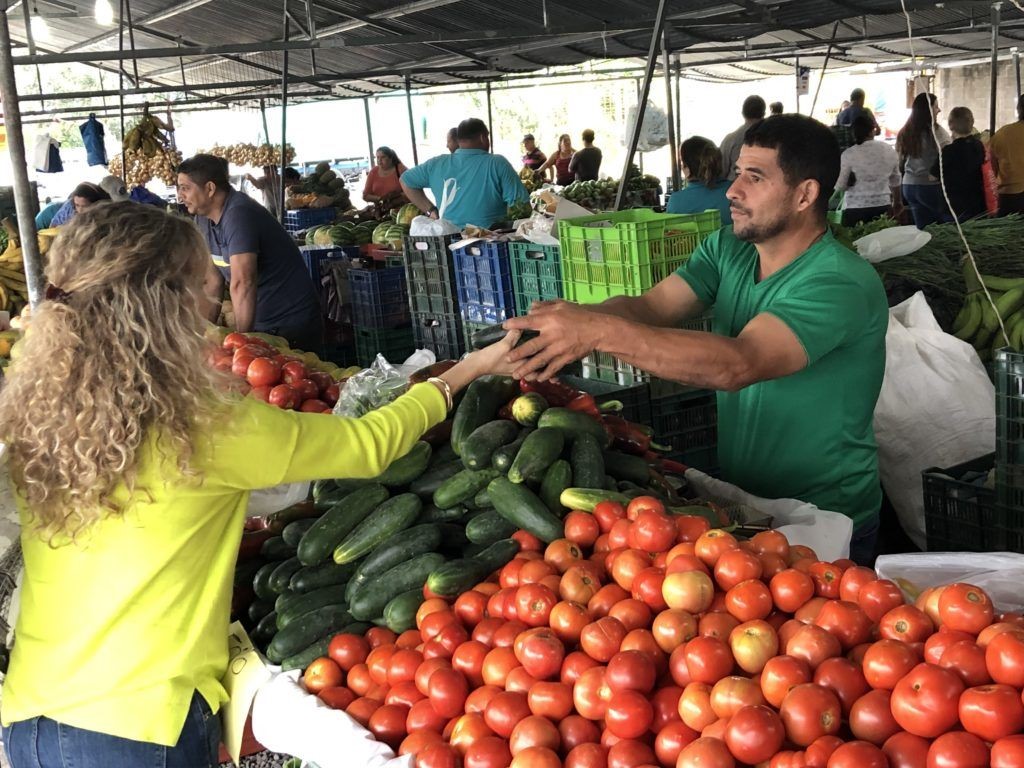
(935, 408)
(424, 226)
(653, 131)
(891, 243)
(998, 573)
(827, 533)
(267, 501)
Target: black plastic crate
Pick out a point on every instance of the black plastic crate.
(341, 355)
(395, 344)
(1009, 457)
(960, 510)
(704, 459)
(686, 421)
(430, 275)
(379, 297)
(441, 333)
(635, 398)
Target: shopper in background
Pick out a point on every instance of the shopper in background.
(383, 179)
(133, 463)
(586, 162)
(869, 173)
(798, 351)
(1007, 150)
(857, 109)
(533, 158)
(918, 144)
(961, 167)
(83, 196)
(452, 139)
(47, 212)
(753, 113)
(271, 290)
(487, 183)
(776, 107)
(559, 162)
(271, 189)
(705, 183)
(114, 187)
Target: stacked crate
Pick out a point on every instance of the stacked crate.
(1009, 370)
(381, 320)
(433, 295)
(483, 282)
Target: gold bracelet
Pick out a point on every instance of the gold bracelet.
(446, 390)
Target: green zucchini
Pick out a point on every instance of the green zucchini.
(276, 548)
(322, 487)
(246, 571)
(427, 484)
(489, 528)
(294, 531)
(324, 575)
(483, 500)
(258, 609)
(521, 506)
(453, 537)
(369, 600)
(305, 630)
(573, 423)
(278, 521)
(432, 514)
(485, 440)
(342, 488)
(540, 450)
(504, 456)
(498, 554)
(470, 550)
(265, 629)
(463, 487)
(308, 655)
(558, 477)
(290, 606)
(400, 612)
(457, 576)
(587, 461)
(282, 574)
(526, 409)
(480, 404)
(325, 534)
(585, 499)
(622, 466)
(399, 548)
(261, 581)
(389, 518)
(404, 470)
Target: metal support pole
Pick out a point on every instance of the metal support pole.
(120, 86)
(652, 58)
(263, 114)
(640, 158)
(22, 189)
(131, 39)
(1016, 69)
(679, 102)
(412, 126)
(284, 115)
(29, 37)
(824, 67)
(490, 117)
(369, 131)
(994, 80)
(673, 147)
(796, 74)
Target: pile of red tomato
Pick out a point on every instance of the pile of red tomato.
(642, 639)
(281, 380)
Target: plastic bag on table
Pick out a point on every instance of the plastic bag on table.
(998, 573)
(934, 409)
(424, 226)
(827, 533)
(267, 501)
(379, 384)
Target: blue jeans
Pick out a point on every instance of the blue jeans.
(45, 743)
(864, 543)
(926, 203)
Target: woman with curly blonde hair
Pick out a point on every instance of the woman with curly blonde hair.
(132, 466)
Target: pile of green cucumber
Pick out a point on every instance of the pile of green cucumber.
(362, 553)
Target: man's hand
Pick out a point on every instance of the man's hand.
(567, 333)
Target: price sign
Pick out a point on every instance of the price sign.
(246, 673)
(803, 81)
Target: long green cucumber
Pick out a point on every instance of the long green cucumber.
(400, 612)
(521, 506)
(282, 574)
(480, 404)
(462, 487)
(498, 554)
(478, 448)
(482, 500)
(399, 548)
(324, 575)
(457, 576)
(539, 451)
(427, 484)
(291, 607)
(558, 477)
(319, 647)
(294, 531)
(261, 581)
(258, 609)
(573, 423)
(265, 629)
(585, 499)
(276, 548)
(319, 541)
(489, 528)
(389, 518)
(322, 487)
(369, 600)
(587, 461)
(342, 488)
(622, 466)
(305, 630)
(404, 470)
(504, 456)
(432, 514)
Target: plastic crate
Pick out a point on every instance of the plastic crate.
(441, 333)
(430, 275)
(315, 257)
(1009, 458)
(960, 511)
(627, 252)
(687, 423)
(379, 297)
(296, 221)
(536, 273)
(483, 280)
(344, 356)
(635, 398)
(395, 344)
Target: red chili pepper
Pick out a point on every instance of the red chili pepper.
(585, 403)
(627, 436)
(557, 394)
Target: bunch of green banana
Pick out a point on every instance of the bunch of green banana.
(978, 320)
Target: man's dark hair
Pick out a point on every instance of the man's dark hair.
(290, 174)
(204, 168)
(807, 150)
(863, 128)
(776, 108)
(857, 95)
(91, 192)
(753, 108)
(471, 129)
(588, 135)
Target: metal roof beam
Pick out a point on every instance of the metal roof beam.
(154, 18)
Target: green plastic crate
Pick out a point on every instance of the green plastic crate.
(536, 273)
(395, 344)
(1009, 375)
(626, 253)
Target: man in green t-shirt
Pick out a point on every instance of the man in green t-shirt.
(798, 349)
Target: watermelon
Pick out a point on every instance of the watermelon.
(406, 214)
(341, 234)
(322, 236)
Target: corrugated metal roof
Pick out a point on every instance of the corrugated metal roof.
(375, 43)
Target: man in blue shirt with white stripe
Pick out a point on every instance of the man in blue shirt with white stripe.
(487, 184)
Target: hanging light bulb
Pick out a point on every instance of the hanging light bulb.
(104, 13)
(40, 27)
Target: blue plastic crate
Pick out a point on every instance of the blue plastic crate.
(314, 256)
(379, 297)
(483, 277)
(296, 221)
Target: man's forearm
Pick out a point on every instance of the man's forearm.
(417, 198)
(243, 305)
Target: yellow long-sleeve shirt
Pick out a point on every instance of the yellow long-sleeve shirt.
(118, 629)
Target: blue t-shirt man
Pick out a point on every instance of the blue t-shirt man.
(697, 197)
(487, 184)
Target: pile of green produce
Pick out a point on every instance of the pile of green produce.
(321, 189)
(342, 233)
(641, 190)
(979, 319)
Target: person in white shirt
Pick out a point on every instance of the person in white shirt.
(869, 173)
(753, 113)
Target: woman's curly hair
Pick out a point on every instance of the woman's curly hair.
(118, 361)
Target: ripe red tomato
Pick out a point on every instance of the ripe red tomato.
(708, 659)
(550, 700)
(533, 731)
(753, 643)
(331, 394)
(671, 740)
(717, 624)
(770, 542)
(809, 712)
(965, 607)
(706, 752)
(487, 752)
(827, 578)
(791, 589)
(905, 750)
(691, 527)
(749, 600)
(467, 730)
(581, 528)
(631, 671)
(967, 659)
(886, 662)
(607, 513)
(497, 664)
(606, 597)
(754, 734)
(1004, 658)
(991, 711)
(666, 706)
(505, 711)
(780, 674)
(590, 693)
(402, 665)
(447, 690)
(673, 627)
(306, 388)
(387, 724)
(601, 639)
(647, 587)
(937, 644)
(871, 718)
(404, 693)
(813, 644)
(924, 702)
(642, 504)
(540, 652)
(732, 693)
(470, 607)
(336, 697)
(568, 620)
(423, 717)
(263, 372)
(576, 730)
(958, 750)
(1008, 752)
(846, 621)
(858, 754)
(347, 650)
(284, 397)
(628, 714)
(736, 566)
(820, 750)
(652, 531)
(853, 581)
(711, 544)
(575, 664)
(293, 371)
(906, 623)
(587, 755)
(695, 706)
(844, 678)
(534, 603)
(879, 597)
